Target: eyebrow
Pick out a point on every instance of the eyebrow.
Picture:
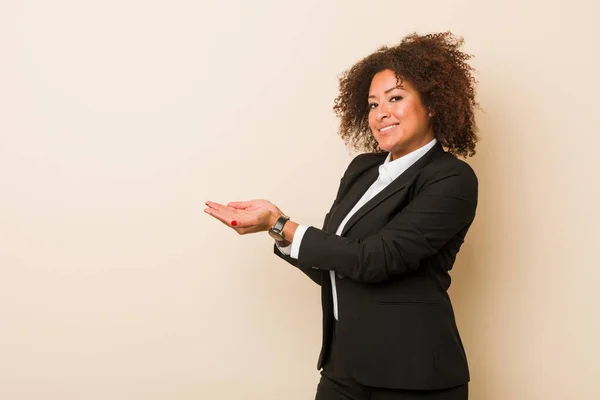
(387, 91)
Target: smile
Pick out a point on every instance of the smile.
(387, 128)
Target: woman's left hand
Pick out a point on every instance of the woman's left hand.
(245, 217)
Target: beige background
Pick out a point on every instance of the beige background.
(118, 119)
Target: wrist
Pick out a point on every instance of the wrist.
(283, 243)
(289, 230)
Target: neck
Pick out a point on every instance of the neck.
(410, 148)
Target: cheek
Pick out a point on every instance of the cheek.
(400, 111)
(409, 115)
(371, 121)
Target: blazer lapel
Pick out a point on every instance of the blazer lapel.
(398, 184)
(357, 184)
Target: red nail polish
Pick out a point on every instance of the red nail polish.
(234, 223)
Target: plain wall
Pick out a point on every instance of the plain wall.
(119, 119)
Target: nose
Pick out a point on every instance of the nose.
(382, 112)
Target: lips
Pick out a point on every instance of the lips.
(387, 128)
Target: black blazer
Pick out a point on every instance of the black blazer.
(396, 324)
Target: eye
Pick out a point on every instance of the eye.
(372, 106)
(396, 98)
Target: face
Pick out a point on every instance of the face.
(397, 118)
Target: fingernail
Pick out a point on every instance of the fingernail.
(233, 223)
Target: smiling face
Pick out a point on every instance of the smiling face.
(397, 118)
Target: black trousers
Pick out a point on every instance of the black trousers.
(336, 384)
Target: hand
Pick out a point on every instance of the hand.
(246, 216)
(253, 205)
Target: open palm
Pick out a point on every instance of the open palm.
(245, 216)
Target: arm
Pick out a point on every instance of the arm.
(289, 232)
(436, 214)
(259, 215)
(290, 252)
(315, 274)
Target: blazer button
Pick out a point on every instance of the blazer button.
(340, 275)
(314, 267)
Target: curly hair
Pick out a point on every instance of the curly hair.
(437, 69)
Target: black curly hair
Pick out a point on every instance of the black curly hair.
(437, 69)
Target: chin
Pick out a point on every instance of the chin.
(390, 147)
(384, 145)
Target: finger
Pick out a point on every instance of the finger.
(240, 204)
(212, 204)
(222, 215)
(232, 217)
(222, 209)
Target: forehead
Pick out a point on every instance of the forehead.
(385, 80)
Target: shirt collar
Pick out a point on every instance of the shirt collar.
(390, 170)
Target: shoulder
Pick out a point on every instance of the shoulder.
(448, 165)
(364, 161)
(360, 164)
(449, 176)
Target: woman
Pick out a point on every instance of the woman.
(401, 213)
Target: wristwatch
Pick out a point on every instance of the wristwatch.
(276, 232)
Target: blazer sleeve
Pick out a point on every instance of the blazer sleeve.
(313, 273)
(439, 211)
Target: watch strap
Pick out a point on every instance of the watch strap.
(279, 224)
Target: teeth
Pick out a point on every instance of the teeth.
(387, 128)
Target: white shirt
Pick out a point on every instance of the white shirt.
(388, 172)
